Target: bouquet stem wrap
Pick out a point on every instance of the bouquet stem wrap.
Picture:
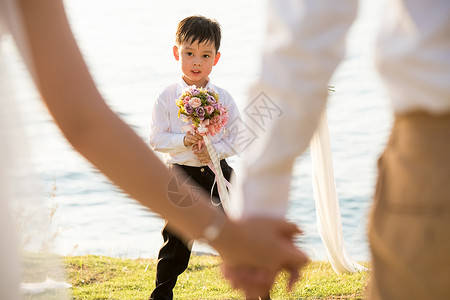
(214, 165)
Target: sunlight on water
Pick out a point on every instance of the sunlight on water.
(128, 47)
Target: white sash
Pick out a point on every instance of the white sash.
(329, 222)
(214, 165)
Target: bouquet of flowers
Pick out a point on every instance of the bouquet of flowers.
(207, 116)
(203, 110)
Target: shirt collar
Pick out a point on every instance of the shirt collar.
(182, 85)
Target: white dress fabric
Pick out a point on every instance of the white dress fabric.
(28, 268)
(329, 223)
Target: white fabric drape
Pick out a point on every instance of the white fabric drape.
(329, 222)
(29, 269)
(220, 179)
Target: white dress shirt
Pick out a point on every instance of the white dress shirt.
(304, 45)
(167, 133)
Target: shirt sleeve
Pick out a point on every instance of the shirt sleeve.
(305, 42)
(161, 138)
(228, 144)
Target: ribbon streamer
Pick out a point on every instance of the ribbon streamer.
(214, 165)
(222, 183)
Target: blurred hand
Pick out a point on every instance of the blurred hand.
(253, 282)
(260, 248)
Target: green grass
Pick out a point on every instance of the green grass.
(99, 277)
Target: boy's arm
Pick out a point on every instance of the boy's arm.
(161, 139)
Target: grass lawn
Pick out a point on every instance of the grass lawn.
(99, 277)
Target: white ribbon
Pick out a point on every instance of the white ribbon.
(327, 205)
(214, 165)
(222, 183)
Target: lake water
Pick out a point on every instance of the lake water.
(128, 47)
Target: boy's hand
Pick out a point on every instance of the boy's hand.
(202, 153)
(191, 139)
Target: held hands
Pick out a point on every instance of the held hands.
(258, 250)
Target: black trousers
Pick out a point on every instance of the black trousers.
(173, 257)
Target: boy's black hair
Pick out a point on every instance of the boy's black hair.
(200, 29)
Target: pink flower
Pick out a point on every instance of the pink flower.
(209, 109)
(223, 110)
(195, 102)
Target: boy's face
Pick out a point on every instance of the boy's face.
(196, 61)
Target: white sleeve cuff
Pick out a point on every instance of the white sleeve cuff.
(178, 141)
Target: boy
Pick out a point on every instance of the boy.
(197, 45)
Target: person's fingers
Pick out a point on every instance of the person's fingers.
(195, 137)
(257, 278)
(236, 276)
(199, 150)
(259, 284)
(190, 139)
(253, 282)
(297, 260)
(289, 229)
(202, 154)
(294, 276)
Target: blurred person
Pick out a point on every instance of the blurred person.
(409, 228)
(43, 36)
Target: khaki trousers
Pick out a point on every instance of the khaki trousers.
(409, 227)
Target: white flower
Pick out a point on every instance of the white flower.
(202, 128)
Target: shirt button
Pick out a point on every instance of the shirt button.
(202, 170)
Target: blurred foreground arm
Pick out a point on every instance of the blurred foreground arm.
(305, 42)
(113, 147)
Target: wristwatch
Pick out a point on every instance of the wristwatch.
(212, 231)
